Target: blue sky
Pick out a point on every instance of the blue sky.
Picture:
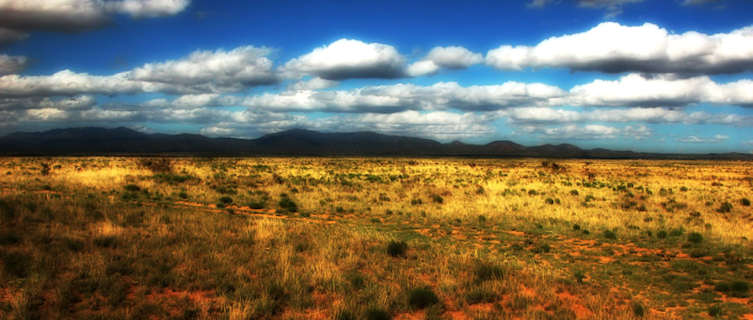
(645, 75)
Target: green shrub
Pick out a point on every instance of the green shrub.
(695, 237)
(377, 314)
(638, 309)
(480, 295)
(737, 289)
(715, 310)
(286, 204)
(397, 248)
(486, 271)
(725, 207)
(745, 202)
(609, 234)
(131, 188)
(661, 234)
(16, 264)
(437, 198)
(576, 227)
(226, 200)
(420, 298)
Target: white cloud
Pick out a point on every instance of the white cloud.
(638, 90)
(313, 84)
(348, 59)
(148, 8)
(72, 15)
(533, 115)
(212, 71)
(19, 17)
(67, 103)
(67, 82)
(438, 124)
(11, 64)
(399, 97)
(452, 57)
(696, 139)
(611, 47)
(587, 132)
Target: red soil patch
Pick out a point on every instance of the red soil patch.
(575, 304)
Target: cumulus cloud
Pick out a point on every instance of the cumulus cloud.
(400, 97)
(587, 132)
(11, 64)
(437, 124)
(66, 83)
(639, 90)
(65, 103)
(313, 84)
(613, 48)
(452, 57)
(212, 71)
(696, 139)
(200, 72)
(349, 59)
(76, 15)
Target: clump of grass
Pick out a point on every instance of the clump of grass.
(638, 309)
(485, 271)
(738, 289)
(715, 310)
(480, 295)
(16, 264)
(377, 314)
(156, 165)
(725, 207)
(397, 248)
(420, 298)
(695, 237)
(286, 204)
(344, 315)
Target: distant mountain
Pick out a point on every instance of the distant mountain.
(296, 142)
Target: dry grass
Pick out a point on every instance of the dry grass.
(111, 238)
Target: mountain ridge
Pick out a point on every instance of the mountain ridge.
(296, 142)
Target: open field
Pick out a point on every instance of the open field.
(338, 238)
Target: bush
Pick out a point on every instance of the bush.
(638, 309)
(486, 272)
(745, 202)
(131, 188)
(421, 298)
(286, 204)
(609, 234)
(738, 289)
(397, 248)
(377, 314)
(661, 234)
(576, 227)
(574, 192)
(480, 295)
(226, 200)
(695, 237)
(437, 198)
(715, 310)
(156, 165)
(725, 207)
(16, 264)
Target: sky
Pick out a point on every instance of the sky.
(642, 75)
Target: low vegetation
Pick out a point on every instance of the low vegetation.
(267, 238)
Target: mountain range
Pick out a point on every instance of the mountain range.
(295, 142)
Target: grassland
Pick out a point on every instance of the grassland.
(336, 238)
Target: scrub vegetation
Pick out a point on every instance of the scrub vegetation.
(374, 238)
